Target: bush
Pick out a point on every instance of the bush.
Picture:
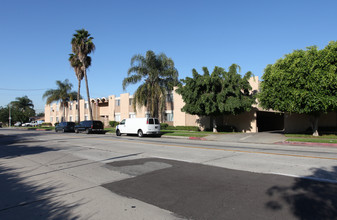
(226, 128)
(113, 123)
(183, 128)
(163, 126)
(46, 124)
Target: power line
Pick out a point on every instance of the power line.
(23, 90)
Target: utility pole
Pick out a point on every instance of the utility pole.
(9, 118)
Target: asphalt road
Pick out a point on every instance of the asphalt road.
(47, 175)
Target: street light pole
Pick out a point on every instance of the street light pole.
(9, 118)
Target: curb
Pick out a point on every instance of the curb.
(197, 138)
(307, 143)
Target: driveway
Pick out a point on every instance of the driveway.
(261, 137)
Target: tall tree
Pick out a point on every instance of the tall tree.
(62, 94)
(303, 82)
(158, 76)
(218, 93)
(82, 45)
(21, 109)
(79, 72)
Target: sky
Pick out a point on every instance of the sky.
(35, 38)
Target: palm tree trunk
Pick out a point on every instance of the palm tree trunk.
(78, 102)
(86, 83)
(63, 113)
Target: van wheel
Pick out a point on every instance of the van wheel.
(118, 133)
(140, 133)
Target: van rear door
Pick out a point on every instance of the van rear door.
(153, 125)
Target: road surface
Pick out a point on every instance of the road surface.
(47, 175)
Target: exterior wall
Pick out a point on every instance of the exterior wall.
(294, 123)
(179, 116)
(245, 122)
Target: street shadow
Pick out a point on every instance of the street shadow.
(22, 199)
(17, 145)
(309, 197)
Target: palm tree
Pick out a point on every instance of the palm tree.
(23, 103)
(158, 76)
(23, 108)
(77, 65)
(63, 94)
(82, 45)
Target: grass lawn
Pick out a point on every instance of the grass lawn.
(309, 138)
(180, 133)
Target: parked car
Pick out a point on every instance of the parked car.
(65, 126)
(139, 126)
(90, 127)
(17, 124)
(27, 124)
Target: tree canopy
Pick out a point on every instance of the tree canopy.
(219, 93)
(21, 110)
(80, 60)
(303, 82)
(158, 76)
(62, 93)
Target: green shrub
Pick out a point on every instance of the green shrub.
(46, 124)
(113, 123)
(163, 126)
(226, 128)
(183, 128)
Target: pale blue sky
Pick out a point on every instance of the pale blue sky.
(35, 38)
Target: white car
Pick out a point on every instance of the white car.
(139, 126)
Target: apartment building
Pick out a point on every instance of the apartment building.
(116, 108)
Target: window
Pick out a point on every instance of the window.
(70, 118)
(147, 115)
(51, 118)
(132, 115)
(118, 102)
(130, 101)
(122, 122)
(77, 118)
(57, 108)
(151, 121)
(117, 117)
(76, 106)
(169, 97)
(51, 108)
(168, 116)
(71, 106)
(85, 117)
(86, 105)
(57, 119)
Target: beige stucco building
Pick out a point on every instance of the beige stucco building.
(116, 108)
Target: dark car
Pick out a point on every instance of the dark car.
(90, 127)
(65, 126)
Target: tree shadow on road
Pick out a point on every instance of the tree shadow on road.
(23, 197)
(17, 145)
(308, 197)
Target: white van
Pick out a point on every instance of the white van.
(139, 126)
